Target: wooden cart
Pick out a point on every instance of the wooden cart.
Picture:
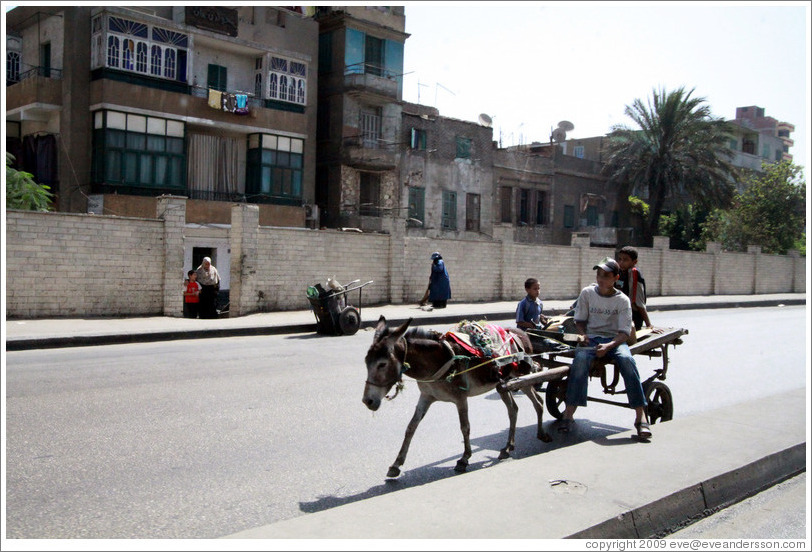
(556, 364)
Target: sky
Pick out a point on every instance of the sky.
(530, 65)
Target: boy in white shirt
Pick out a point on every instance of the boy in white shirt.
(603, 317)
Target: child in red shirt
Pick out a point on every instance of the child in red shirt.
(191, 296)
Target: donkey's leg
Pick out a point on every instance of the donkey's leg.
(538, 404)
(465, 428)
(420, 410)
(513, 409)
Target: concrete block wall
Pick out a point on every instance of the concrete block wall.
(72, 265)
(734, 273)
(290, 260)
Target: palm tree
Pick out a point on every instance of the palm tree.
(678, 148)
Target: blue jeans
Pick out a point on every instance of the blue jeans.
(578, 377)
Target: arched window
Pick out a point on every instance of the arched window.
(300, 97)
(292, 90)
(155, 61)
(12, 66)
(141, 57)
(128, 54)
(283, 88)
(113, 45)
(169, 63)
(273, 92)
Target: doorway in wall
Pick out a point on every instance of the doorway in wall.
(199, 252)
(197, 258)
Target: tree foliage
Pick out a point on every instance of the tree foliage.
(770, 212)
(22, 192)
(676, 147)
(684, 227)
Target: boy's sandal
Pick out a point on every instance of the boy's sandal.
(565, 425)
(643, 430)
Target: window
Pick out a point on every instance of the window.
(472, 212)
(287, 80)
(274, 168)
(371, 55)
(569, 216)
(463, 148)
(578, 151)
(615, 219)
(370, 195)
(138, 47)
(449, 220)
(370, 127)
(505, 204)
(45, 59)
(524, 207)
(540, 196)
(592, 215)
(417, 206)
(138, 152)
(418, 139)
(12, 67)
(217, 77)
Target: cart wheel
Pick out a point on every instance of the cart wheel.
(349, 320)
(660, 403)
(555, 396)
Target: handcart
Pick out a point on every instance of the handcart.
(333, 315)
(558, 352)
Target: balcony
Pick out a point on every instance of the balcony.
(362, 152)
(368, 78)
(36, 92)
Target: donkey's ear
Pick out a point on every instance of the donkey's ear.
(380, 328)
(402, 330)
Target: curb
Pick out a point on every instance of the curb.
(24, 344)
(671, 513)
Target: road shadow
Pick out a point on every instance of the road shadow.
(487, 446)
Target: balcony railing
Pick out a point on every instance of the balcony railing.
(47, 72)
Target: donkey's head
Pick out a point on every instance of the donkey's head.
(384, 369)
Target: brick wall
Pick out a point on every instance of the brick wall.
(75, 265)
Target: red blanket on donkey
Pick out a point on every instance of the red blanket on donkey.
(485, 341)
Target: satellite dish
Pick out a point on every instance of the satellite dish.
(485, 120)
(559, 135)
(566, 126)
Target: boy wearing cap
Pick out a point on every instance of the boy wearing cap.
(603, 318)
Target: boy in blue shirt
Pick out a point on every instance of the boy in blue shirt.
(528, 312)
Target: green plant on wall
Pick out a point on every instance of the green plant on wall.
(22, 192)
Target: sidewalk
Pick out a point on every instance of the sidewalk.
(75, 332)
(607, 488)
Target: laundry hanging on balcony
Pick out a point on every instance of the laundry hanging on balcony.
(230, 103)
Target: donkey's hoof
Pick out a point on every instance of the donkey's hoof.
(545, 437)
(393, 472)
(461, 466)
(503, 454)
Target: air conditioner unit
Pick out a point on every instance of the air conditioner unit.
(311, 216)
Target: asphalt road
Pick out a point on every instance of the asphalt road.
(205, 438)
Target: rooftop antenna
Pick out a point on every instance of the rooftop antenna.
(419, 84)
(436, 86)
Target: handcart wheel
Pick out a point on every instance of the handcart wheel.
(349, 320)
(555, 396)
(660, 402)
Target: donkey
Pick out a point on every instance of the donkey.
(420, 354)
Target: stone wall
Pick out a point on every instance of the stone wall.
(76, 265)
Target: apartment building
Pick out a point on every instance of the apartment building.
(212, 103)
